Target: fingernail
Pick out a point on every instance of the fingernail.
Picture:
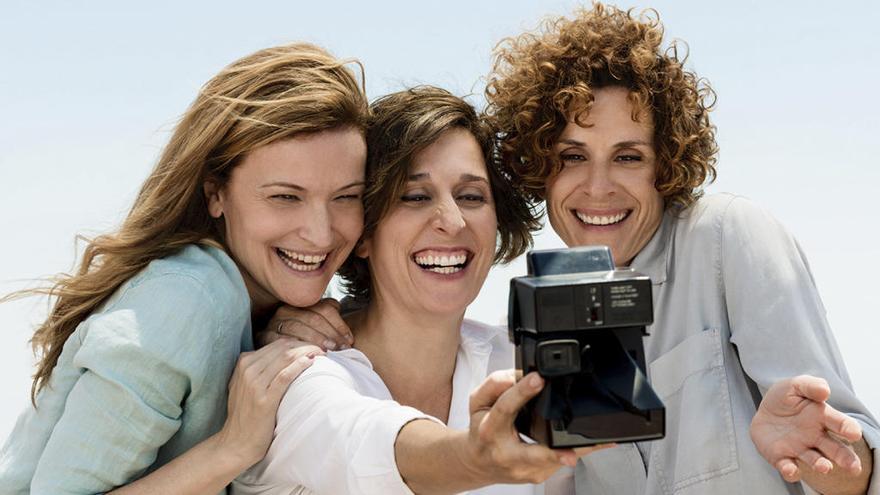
(312, 354)
(535, 381)
(329, 344)
(345, 346)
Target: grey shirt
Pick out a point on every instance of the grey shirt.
(734, 301)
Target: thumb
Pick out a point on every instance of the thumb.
(332, 302)
(810, 387)
(488, 392)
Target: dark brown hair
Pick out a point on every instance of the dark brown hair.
(542, 80)
(401, 125)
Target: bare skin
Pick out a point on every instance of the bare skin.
(319, 324)
(806, 439)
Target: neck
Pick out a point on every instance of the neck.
(414, 354)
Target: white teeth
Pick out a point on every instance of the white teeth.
(309, 262)
(445, 270)
(442, 261)
(600, 220)
(307, 258)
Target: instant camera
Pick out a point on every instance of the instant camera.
(579, 323)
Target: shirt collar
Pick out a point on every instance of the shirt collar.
(655, 258)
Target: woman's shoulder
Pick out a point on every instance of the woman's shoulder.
(198, 275)
(196, 294)
(206, 266)
(714, 208)
(716, 215)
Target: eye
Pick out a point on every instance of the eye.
(415, 198)
(629, 158)
(477, 198)
(572, 158)
(349, 197)
(471, 198)
(286, 197)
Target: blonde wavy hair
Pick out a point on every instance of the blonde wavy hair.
(267, 96)
(540, 81)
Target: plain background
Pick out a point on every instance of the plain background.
(89, 93)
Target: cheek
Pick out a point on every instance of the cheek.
(560, 187)
(485, 225)
(349, 223)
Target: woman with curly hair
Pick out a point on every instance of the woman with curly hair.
(609, 129)
(255, 202)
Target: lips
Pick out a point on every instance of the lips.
(602, 220)
(301, 262)
(442, 262)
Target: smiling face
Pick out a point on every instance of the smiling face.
(604, 193)
(432, 251)
(292, 212)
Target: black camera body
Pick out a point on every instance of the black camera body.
(579, 322)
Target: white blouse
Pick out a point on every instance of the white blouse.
(337, 425)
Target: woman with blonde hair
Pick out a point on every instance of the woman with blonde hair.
(255, 202)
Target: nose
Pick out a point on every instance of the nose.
(316, 226)
(448, 217)
(597, 181)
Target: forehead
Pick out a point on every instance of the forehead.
(455, 152)
(612, 112)
(325, 157)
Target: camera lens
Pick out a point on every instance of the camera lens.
(558, 357)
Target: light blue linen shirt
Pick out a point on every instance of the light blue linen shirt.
(139, 382)
(734, 303)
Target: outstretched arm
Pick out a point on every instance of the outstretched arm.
(434, 459)
(779, 327)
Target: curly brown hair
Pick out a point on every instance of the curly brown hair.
(401, 125)
(541, 81)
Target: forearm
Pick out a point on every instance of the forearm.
(839, 481)
(433, 459)
(206, 468)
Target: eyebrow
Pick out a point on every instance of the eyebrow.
(464, 177)
(297, 187)
(621, 144)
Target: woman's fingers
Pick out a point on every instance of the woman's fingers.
(319, 324)
(816, 461)
(329, 309)
(299, 329)
(811, 387)
(286, 358)
(788, 469)
(509, 403)
(839, 453)
(841, 424)
(285, 376)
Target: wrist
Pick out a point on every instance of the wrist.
(229, 456)
(472, 460)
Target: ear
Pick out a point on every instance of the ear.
(362, 250)
(214, 197)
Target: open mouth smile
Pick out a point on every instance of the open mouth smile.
(444, 263)
(301, 262)
(601, 220)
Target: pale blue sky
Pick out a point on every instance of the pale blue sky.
(89, 93)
